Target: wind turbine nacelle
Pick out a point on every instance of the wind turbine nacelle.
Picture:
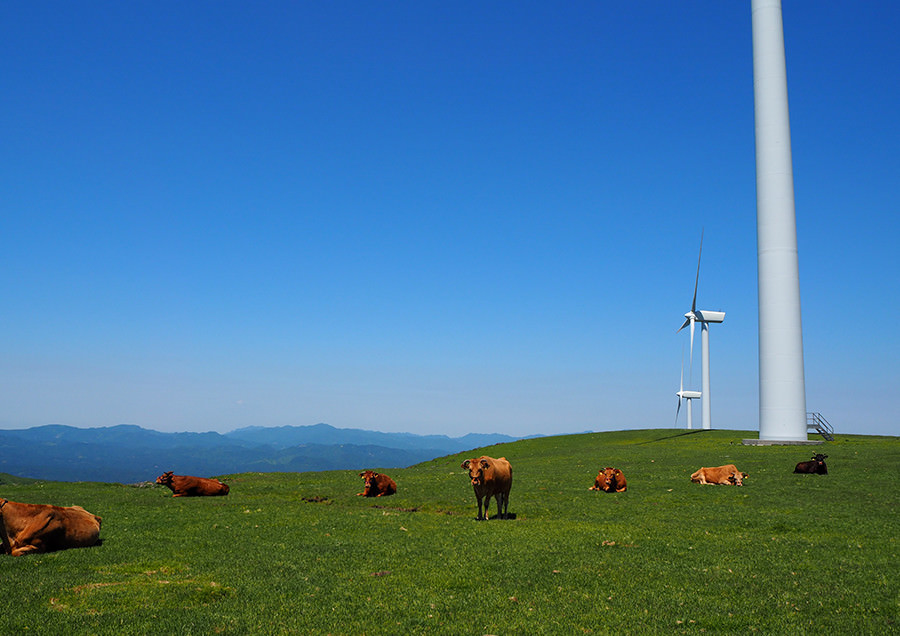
(704, 315)
(689, 395)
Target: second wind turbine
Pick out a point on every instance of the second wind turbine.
(704, 317)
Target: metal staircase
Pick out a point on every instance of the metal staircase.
(815, 422)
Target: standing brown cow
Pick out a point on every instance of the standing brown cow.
(187, 486)
(377, 485)
(33, 528)
(490, 478)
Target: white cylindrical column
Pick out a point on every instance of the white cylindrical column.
(704, 393)
(782, 389)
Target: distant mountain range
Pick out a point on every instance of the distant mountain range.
(130, 454)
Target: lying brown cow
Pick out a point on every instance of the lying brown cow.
(377, 485)
(490, 478)
(610, 480)
(722, 475)
(34, 528)
(816, 466)
(187, 486)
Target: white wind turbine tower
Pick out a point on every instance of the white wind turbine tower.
(704, 317)
(685, 395)
(782, 389)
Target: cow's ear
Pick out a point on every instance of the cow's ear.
(484, 463)
(745, 475)
(362, 473)
(465, 464)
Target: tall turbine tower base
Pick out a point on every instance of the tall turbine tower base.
(782, 390)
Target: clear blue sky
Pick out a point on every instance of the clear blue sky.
(432, 217)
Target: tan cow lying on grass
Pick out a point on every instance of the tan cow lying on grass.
(377, 485)
(34, 528)
(187, 486)
(722, 475)
(610, 480)
(490, 478)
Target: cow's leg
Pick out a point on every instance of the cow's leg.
(480, 516)
(29, 537)
(25, 549)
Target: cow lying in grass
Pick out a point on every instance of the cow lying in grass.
(187, 486)
(490, 478)
(726, 475)
(34, 528)
(816, 466)
(377, 485)
(610, 480)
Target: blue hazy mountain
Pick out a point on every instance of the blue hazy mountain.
(129, 454)
(286, 436)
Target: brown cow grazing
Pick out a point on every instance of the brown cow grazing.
(187, 486)
(34, 528)
(377, 485)
(490, 478)
(722, 475)
(816, 466)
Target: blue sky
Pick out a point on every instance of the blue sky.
(431, 217)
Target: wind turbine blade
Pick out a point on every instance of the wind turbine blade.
(686, 321)
(677, 411)
(697, 280)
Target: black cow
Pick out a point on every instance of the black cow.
(816, 466)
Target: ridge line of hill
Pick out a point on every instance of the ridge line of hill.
(128, 453)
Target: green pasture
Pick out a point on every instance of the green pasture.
(300, 553)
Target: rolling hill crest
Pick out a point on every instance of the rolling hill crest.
(130, 454)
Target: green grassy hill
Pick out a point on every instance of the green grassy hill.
(301, 553)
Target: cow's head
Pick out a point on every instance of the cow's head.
(819, 458)
(165, 479)
(476, 468)
(368, 476)
(737, 479)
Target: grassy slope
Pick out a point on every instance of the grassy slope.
(784, 554)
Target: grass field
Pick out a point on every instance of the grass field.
(300, 553)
